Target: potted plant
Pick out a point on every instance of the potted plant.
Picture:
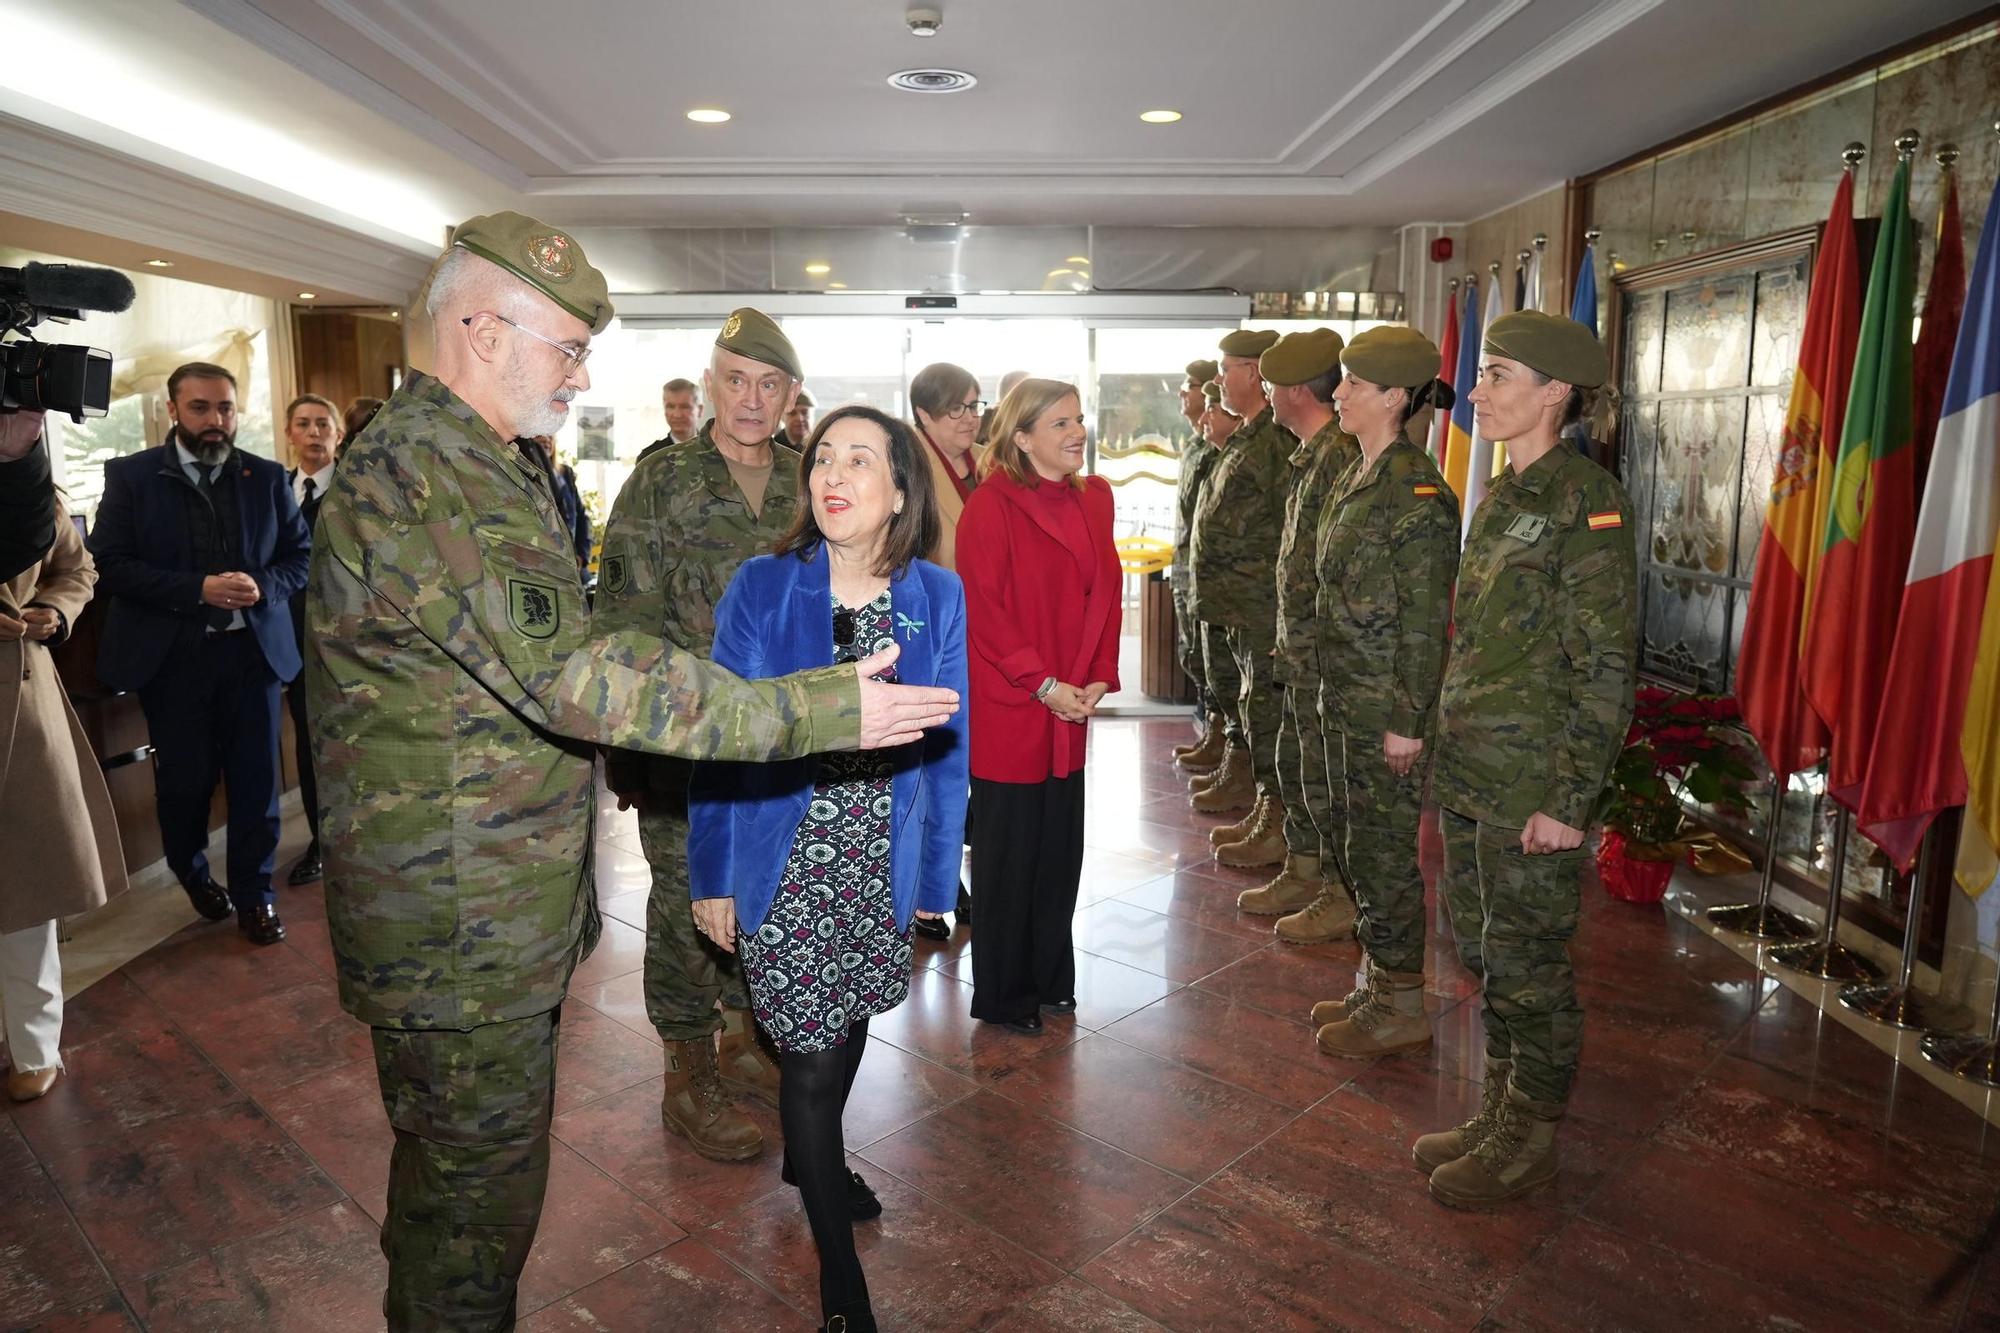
(1680, 747)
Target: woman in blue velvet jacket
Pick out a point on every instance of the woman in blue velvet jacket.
(812, 869)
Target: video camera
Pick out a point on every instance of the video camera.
(56, 377)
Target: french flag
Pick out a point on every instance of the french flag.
(1916, 768)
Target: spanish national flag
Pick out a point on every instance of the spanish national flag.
(1458, 431)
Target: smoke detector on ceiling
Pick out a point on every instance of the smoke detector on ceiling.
(924, 20)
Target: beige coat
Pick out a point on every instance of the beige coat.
(54, 805)
(949, 505)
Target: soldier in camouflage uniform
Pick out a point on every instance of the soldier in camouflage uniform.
(1386, 565)
(1209, 647)
(1536, 699)
(1198, 458)
(687, 517)
(1300, 372)
(1235, 550)
(457, 688)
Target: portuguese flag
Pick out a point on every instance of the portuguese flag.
(1774, 708)
(1870, 526)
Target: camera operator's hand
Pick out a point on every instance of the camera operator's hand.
(12, 628)
(231, 592)
(18, 433)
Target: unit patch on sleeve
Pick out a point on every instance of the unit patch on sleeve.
(1608, 518)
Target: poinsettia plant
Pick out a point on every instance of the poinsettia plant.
(1680, 747)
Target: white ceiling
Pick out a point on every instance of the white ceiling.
(396, 117)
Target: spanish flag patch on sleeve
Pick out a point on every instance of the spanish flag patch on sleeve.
(1424, 488)
(1609, 518)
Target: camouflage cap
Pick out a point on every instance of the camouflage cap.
(1201, 372)
(1560, 348)
(752, 333)
(1212, 392)
(546, 258)
(1300, 357)
(1392, 356)
(1246, 342)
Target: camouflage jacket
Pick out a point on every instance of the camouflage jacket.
(1387, 555)
(1537, 690)
(1198, 459)
(678, 531)
(1237, 522)
(456, 687)
(1318, 466)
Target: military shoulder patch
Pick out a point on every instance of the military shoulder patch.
(1606, 518)
(533, 608)
(1423, 488)
(1527, 527)
(614, 573)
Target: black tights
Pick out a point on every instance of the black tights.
(812, 1092)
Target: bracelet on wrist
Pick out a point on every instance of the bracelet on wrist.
(1042, 690)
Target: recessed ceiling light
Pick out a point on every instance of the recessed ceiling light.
(1062, 272)
(1077, 259)
(932, 80)
(837, 286)
(1162, 117)
(159, 263)
(308, 296)
(818, 268)
(708, 115)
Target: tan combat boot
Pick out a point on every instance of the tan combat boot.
(1332, 1011)
(1328, 917)
(745, 1066)
(1295, 887)
(1266, 844)
(1233, 788)
(1517, 1156)
(1246, 827)
(1205, 751)
(1390, 1019)
(1220, 769)
(696, 1108)
(1432, 1151)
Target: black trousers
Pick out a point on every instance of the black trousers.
(212, 712)
(295, 700)
(1027, 859)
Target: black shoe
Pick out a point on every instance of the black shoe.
(208, 898)
(308, 869)
(862, 1204)
(858, 1321)
(931, 928)
(1062, 1006)
(1031, 1026)
(260, 925)
(964, 909)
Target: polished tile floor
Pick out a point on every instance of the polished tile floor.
(1176, 1157)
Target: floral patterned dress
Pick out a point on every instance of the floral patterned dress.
(829, 952)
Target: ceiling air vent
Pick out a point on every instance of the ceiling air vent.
(932, 80)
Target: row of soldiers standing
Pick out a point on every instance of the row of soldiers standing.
(1347, 655)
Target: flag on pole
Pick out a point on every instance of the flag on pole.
(1520, 285)
(1774, 707)
(1447, 368)
(1532, 295)
(1458, 443)
(1944, 305)
(1917, 769)
(1583, 306)
(1979, 743)
(1865, 553)
(1479, 454)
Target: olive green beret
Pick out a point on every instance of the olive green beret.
(1299, 357)
(1201, 372)
(547, 259)
(752, 333)
(804, 399)
(1247, 342)
(1392, 356)
(1560, 348)
(1212, 391)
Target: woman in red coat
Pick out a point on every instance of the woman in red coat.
(1042, 601)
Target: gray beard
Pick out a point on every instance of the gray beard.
(208, 452)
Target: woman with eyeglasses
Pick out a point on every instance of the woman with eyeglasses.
(1042, 592)
(812, 870)
(944, 399)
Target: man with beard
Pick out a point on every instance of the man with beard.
(200, 547)
(312, 426)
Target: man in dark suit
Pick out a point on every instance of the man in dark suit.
(312, 428)
(200, 547)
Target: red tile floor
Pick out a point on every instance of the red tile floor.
(1176, 1157)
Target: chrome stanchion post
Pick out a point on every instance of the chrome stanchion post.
(1902, 1005)
(1827, 958)
(1760, 920)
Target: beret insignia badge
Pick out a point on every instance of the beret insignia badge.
(552, 256)
(731, 327)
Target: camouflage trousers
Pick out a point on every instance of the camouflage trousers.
(1261, 704)
(1383, 811)
(685, 973)
(1303, 784)
(1187, 650)
(1514, 915)
(1225, 682)
(471, 1113)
